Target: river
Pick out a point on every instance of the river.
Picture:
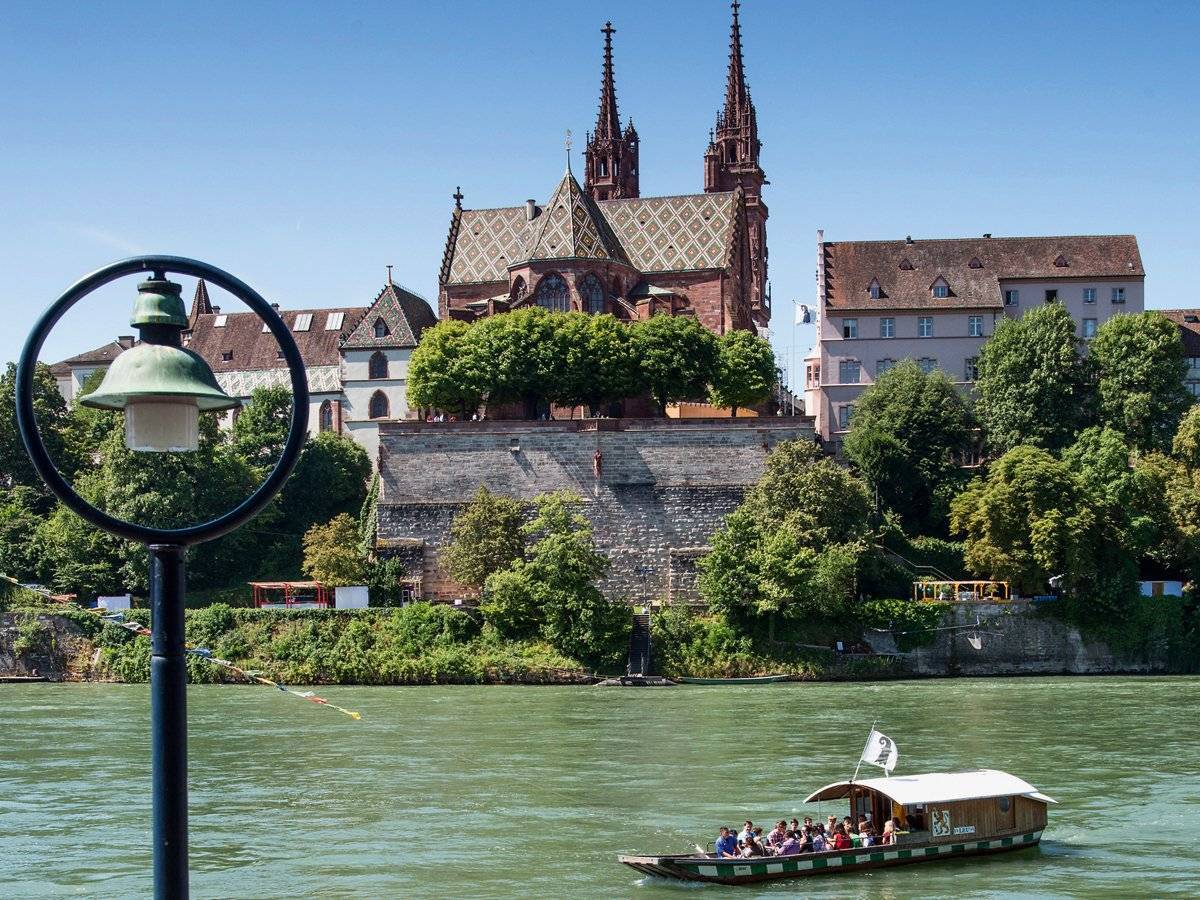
(532, 792)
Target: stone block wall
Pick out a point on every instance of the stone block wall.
(655, 494)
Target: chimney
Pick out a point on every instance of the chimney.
(275, 306)
(216, 310)
(126, 341)
(987, 234)
(908, 239)
(530, 210)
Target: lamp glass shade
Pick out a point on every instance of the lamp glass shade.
(156, 371)
(162, 425)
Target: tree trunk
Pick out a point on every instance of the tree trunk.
(733, 412)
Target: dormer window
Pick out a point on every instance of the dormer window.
(1061, 262)
(227, 356)
(875, 290)
(905, 265)
(381, 328)
(975, 263)
(940, 288)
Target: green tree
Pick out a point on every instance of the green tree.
(1034, 386)
(913, 423)
(521, 353)
(444, 370)
(1186, 444)
(50, 411)
(86, 428)
(485, 537)
(331, 553)
(1140, 367)
(744, 372)
(794, 546)
(20, 517)
(678, 357)
(1022, 521)
(261, 428)
(600, 363)
(330, 478)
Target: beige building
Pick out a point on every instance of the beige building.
(937, 301)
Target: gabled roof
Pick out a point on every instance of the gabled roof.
(850, 266)
(571, 227)
(1188, 321)
(405, 314)
(242, 335)
(937, 787)
(654, 234)
(100, 356)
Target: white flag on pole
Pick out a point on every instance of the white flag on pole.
(881, 751)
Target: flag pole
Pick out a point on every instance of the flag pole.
(864, 750)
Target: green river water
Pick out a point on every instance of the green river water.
(532, 792)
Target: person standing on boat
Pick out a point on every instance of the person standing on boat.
(726, 845)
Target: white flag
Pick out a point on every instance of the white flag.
(881, 751)
(804, 316)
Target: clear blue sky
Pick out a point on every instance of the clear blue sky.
(303, 146)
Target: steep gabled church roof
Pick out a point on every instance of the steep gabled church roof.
(572, 227)
(404, 313)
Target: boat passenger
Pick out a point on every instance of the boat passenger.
(790, 845)
(805, 839)
(795, 826)
(726, 845)
(848, 824)
(778, 834)
(808, 821)
(830, 825)
(841, 840)
(747, 831)
(889, 833)
(818, 840)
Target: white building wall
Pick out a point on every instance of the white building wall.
(359, 387)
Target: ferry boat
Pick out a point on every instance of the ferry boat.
(945, 815)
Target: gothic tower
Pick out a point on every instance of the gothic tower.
(731, 160)
(611, 157)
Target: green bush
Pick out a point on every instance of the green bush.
(911, 622)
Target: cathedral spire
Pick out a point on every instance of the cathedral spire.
(737, 95)
(610, 156)
(608, 121)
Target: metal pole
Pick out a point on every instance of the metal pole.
(168, 721)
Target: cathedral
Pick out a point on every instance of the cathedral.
(603, 247)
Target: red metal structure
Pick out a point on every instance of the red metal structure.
(290, 595)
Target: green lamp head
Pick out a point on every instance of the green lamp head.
(159, 384)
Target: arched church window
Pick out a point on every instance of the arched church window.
(519, 290)
(381, 328)
(325, 416)
(552, 293)
(603, 168)
(378, 407)
(592, 292)
(377, 365)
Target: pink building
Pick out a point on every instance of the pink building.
(937, 301)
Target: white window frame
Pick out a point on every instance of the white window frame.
(303, 322)
(1012, 297)
(1118, 295)
(219, 321)
(974, 326)
(971, 368)
(845, 414)
(843, 365)
(1089, 295)
(927, 364)
(333, 321)
(887, 327)
(925, 326)
(1084, 328)
(883, 366)
(850, 329)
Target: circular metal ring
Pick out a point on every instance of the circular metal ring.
(32, 438)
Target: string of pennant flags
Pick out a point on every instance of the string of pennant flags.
(118, 619)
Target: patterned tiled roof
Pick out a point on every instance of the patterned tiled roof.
(972, 267)
(241, 383)
(655, 234)
(405, 314)
(571, 227)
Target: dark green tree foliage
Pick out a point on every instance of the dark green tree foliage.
(21, 552)
(50, 410)
(1140, 368)
(1186, 444)
(795, 544)
(522, 355)
(330, 478)
(1034, 386)
(444, 371)
(261, 428)
(1022, 522)
(485, 537)
(553, 590)
(600, 363)
(744, 372)
(678, 358)
(908, 430)
(87, 428)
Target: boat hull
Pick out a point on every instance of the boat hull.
(754, 679)
(740, 871)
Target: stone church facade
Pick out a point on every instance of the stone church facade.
(603, 247)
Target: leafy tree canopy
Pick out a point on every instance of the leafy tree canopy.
(444, 371)
(261, 428)
(485, 537)
(1186, 444)
(907, 432)
(744, 372)
(1034, 386)
(331, 553)
(1140, 367)
(600, 363)
(678, 357)
(50, 410)
(330, 478)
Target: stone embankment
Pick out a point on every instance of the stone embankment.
(1017, 638)
(44, 645)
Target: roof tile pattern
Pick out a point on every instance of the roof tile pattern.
(405, 314)
(571, 227)
(850, 266)
(321, 380)
(655, 234)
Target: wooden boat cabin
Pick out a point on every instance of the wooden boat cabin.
(945, 807)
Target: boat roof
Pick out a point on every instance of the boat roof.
(937, 787)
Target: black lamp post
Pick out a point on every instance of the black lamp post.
(162, 387)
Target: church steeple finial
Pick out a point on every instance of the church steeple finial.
(610, 157)
(458, 198)
(737, 96)
(608, 120)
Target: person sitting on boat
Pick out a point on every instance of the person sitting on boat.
(805, 838)
(868, 836)
(818, 840)
(830, 824)
(789, 846)
(746, 832)
(726, 845)
(808, 822)
(778, 834)
(889, 833)
(841, 840)
(795, 826)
